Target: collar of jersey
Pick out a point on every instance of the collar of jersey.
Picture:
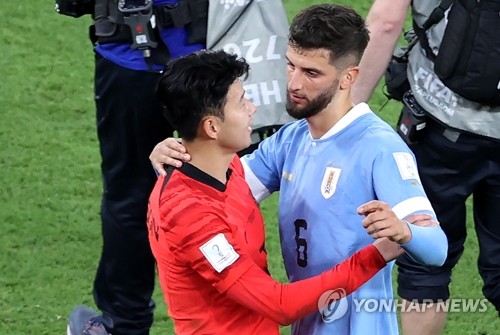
(355, 112)
(203, 177)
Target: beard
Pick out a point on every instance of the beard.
(314, 106)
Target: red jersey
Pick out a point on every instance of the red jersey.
(209, 243)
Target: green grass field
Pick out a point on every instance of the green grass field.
(49, 205)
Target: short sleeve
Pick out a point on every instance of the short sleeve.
(264, 166)
(396, 181)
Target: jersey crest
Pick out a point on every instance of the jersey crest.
(329, 183)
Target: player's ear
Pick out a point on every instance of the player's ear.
(210, 126)
(348, 77)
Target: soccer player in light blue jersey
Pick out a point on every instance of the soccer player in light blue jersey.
(337, 162)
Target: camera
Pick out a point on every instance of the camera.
(75, 8)
(395, 76)
(138, 16)
(134, 5)
(412, 121)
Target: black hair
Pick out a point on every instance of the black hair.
(195, 86)
(338, 29)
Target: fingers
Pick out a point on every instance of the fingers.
(172, 148)
(392, 233)
(396, 230)
(168, 152)
(376, 213)
(384, 228)
(372, 206)
(381, 221)
(159, 169)
(375, 227)
(173, 143)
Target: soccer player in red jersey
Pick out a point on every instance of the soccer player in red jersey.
(205, 228)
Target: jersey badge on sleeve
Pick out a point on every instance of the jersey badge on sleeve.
(329, 183)
(287, 176)
(219, 252)
(406, 165)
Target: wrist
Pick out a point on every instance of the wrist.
(406, 237)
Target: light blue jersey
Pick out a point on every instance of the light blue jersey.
(322, 183)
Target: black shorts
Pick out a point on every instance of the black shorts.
(451, 170)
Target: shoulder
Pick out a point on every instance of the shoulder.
(294, 127)
(182, 203)
(377, 136)
(289, 133)
(194, 221)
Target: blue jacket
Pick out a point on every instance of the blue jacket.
(174, 38)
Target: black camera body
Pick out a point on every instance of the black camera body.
(137, 16)
(395, 76)
(75, 8)
(412, 121)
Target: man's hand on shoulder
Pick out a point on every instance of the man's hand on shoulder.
(168, 152)
(380, 221)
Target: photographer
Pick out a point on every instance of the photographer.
(457, 149)
(133, 40)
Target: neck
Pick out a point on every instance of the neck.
(209, 158)
(322, 122)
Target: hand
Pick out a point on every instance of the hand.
(388, 249)
(381, 221)
(169, 152)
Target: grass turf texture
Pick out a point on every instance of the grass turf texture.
(50, 238)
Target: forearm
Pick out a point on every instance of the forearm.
(285, 303)
(385, 22)
(428, 245)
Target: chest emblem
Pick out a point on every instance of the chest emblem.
(329, 183)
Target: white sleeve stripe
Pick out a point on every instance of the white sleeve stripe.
(412, 205)
(259, 191)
